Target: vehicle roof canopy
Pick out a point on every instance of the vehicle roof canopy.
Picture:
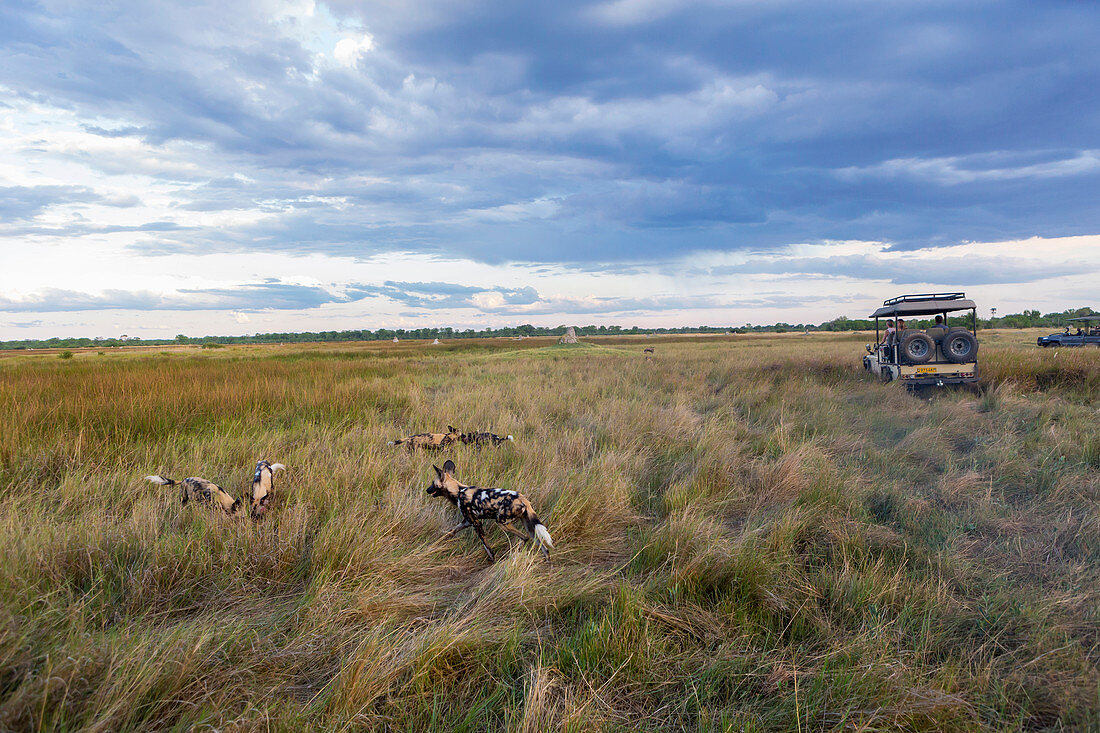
(924, 304)
(1085, 318)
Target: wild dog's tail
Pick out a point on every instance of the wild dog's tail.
(399, 441)
(543, 535)
(510, 438)
(536, 528)
(161, 480)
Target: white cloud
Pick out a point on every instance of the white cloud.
(954, 171)
(348, 51)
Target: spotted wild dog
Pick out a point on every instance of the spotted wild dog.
(263, 487)
(202, 491)
(480, 439)
(430, 441)
(500, 505)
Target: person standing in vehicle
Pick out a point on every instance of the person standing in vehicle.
(897, 337)
(890, 338)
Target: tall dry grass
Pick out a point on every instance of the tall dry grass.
(750, 536)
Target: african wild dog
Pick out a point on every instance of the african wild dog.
(430, 441)
(501, 505)
(480, 439)
(263, 487)
(203, 491)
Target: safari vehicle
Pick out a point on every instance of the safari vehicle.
(919, 359)
(1088, 332)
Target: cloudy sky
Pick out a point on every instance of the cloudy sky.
(263, 166)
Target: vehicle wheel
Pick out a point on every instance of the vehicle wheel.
(960, 347)
(917, 348)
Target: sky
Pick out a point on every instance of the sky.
(257, 166)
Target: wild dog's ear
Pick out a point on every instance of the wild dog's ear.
(438, 471)
(449, 466)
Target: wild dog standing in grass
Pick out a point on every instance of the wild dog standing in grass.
(430, 441)
(480, 439)
(263, 486)
(203, 491)
(500, 505)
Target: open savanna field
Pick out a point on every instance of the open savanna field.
(750, 534)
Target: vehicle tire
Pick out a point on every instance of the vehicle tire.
(960, 347)
(917, 348)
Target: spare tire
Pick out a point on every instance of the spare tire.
(917, 347)
(960, 347)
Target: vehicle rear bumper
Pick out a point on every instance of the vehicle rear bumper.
(939, 374)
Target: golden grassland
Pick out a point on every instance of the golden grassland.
(750, 533)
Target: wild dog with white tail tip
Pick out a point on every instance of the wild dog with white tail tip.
(430, 441)
(202, 491)
(500, 505)
(479, 439)
(263, 487)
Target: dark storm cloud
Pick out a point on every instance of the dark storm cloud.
(655, 129)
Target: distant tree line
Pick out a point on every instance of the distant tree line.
(382, 334)
(1027, 319)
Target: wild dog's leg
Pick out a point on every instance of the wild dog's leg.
(457, 529)
(481, 536)
(513, 531)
